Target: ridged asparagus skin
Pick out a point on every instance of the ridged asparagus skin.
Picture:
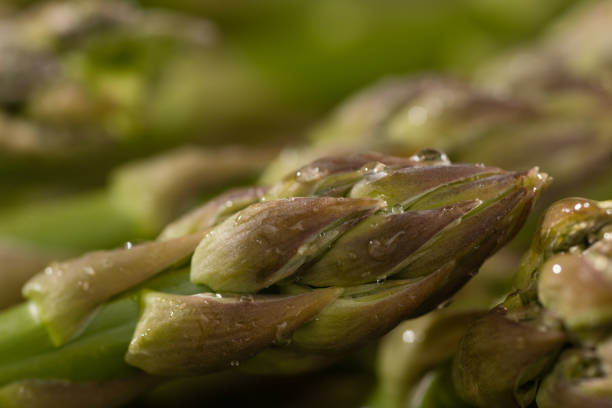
(278, 280)
(548, 342)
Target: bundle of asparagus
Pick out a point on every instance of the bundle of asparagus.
(555, 328)
(280, 280)
(545, 345)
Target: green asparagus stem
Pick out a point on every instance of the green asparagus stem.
(141, 313)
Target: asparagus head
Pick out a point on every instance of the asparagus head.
(276, 280)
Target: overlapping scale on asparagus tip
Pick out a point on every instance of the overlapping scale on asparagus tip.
(563, 300)
(332, 256)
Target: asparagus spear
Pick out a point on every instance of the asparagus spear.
(562, 301)
(334, 255)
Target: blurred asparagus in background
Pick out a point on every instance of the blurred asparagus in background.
(407, 114)
(140, 199)
(566, 129)
(281, 281)
(115, 80)
(575, 53)
(87, 85)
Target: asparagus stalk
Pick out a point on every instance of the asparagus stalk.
(334, 255)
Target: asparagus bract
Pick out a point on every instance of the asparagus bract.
(273, 281)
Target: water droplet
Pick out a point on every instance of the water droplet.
(308, 174)
(375, 249)
(218, 296)
(430, 155)
(234, 363)
(89, 270)
(128, 245)
(556, 269)
(408, 336)
(381, 249)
